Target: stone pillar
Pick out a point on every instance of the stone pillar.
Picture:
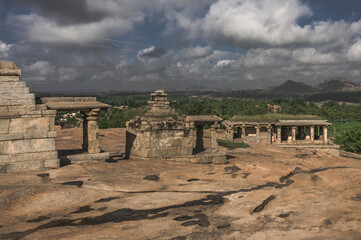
(90, 131)
(325, 139)
(199, 140)
(312, 133)
(257, 133)
(243, 132)
(308, 137)
(269, 130)
(279, 135)
(231, 134)
(213, 138)
(293, 134)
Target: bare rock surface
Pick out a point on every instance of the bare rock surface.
(264, 192)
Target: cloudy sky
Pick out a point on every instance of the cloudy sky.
(100, 45)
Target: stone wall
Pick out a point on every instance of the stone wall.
(27, 133)
(165, 139)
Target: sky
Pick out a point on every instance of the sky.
(144, 45)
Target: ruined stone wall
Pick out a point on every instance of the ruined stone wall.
(163, 139)
(27, 134)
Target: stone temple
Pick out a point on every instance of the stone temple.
(161, 134)
(27, 129)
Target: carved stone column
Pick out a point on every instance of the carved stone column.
(199, 140)
(325, 138)
(213, 138)
(243, 132)
(257, 133)
(231, 134)
(279, 135)
(312, 133)
(293, 134)
(90, 131)
(269, 130)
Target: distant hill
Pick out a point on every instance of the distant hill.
(292, 87)
(337, 84)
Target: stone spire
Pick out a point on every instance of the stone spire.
(14, 95)
(159, 104)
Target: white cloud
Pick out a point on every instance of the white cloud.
(264, 23)
(354, 52)
(40, 71)
(224, 63)
(4, 49)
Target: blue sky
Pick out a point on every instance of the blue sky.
(119, 45)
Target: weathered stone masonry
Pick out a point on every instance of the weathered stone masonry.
(158, 135)
(27, 134)
(90, 109)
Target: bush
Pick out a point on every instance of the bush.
(231, 144)
(349, 137)
(117, 118)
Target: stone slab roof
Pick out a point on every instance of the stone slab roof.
(73, 103)
(278, 123)
(240, 123)
(203, 119)
(302, 123)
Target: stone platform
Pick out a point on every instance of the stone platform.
(206, 157)
(67, 159)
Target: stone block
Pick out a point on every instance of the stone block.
(38, 124)
(52, 163)
(35, 135)
(14, 91)
(27, 146)
(4, 125)
(10, 137)
(11, 110)
(12, 84)
(10, 72)
(85, 157)
(23, 157)
(8, 65)
(9, 78)
(52, 134)
(27, 166)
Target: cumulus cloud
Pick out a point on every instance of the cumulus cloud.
(219, 44)
(4, 49)
(354, 52)
(265, 23)
(224, 63)
(151, 52)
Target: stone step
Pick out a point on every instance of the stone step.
(16, 102)
(12, 84)
(16, 111)
(14, 96)
(14, 91)
(9, 78)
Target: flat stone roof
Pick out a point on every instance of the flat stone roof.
(72, 103)
(279, 123)
(302, 122)
(240, 123)
(203, 119)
